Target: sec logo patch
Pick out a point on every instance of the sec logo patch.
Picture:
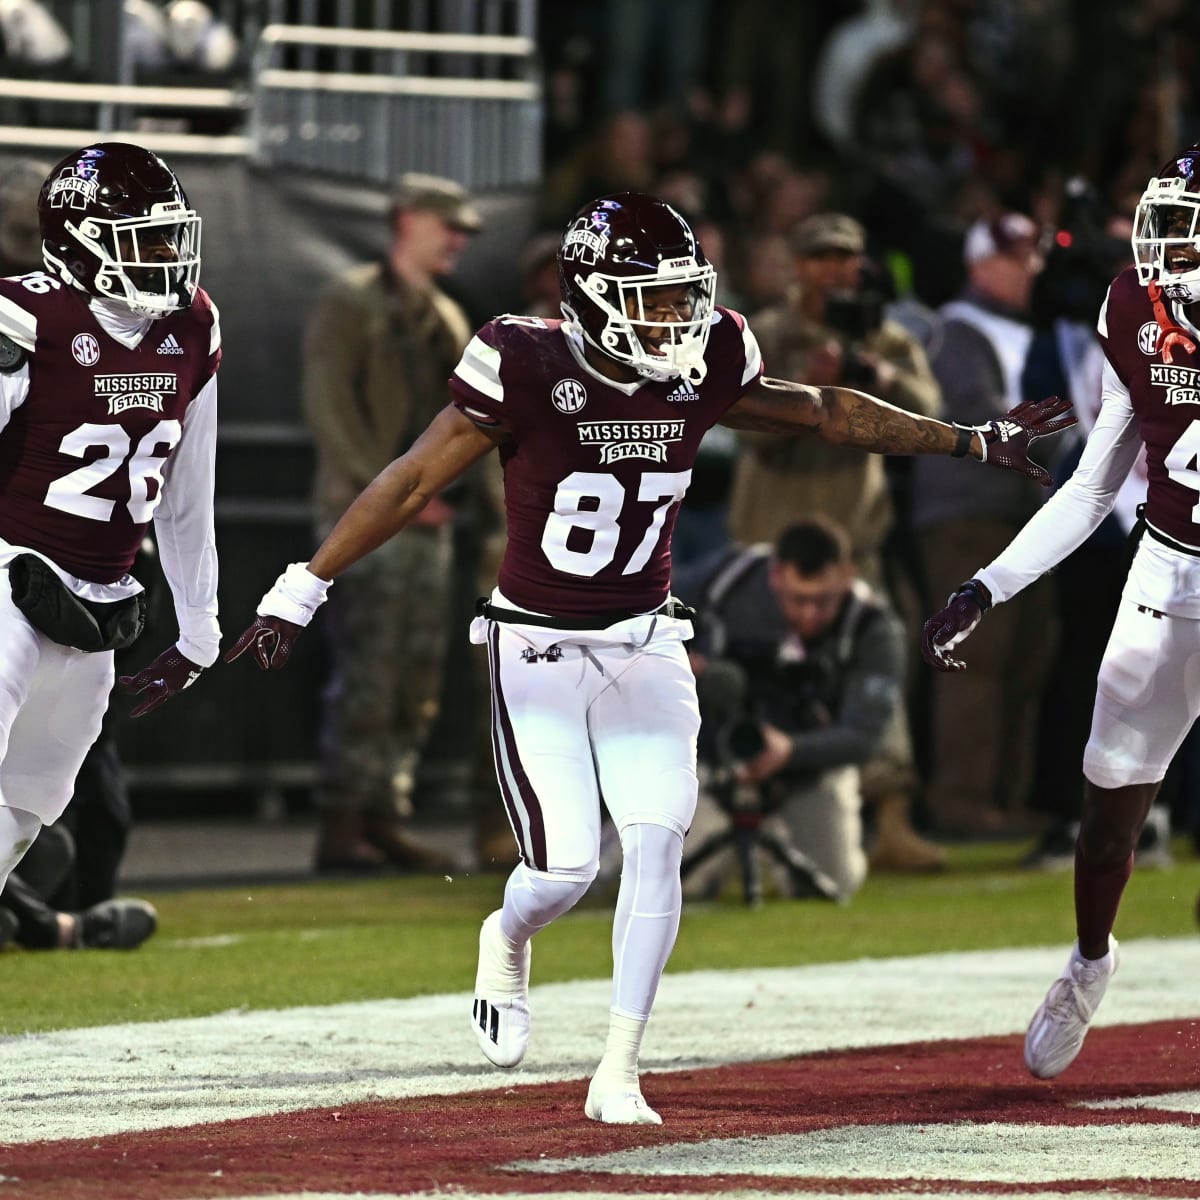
(86, 349)
(569, 395)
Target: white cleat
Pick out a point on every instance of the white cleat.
(1055, 1035)
(500, 1012)
(623, 1106)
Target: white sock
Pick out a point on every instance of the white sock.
(620, 1062)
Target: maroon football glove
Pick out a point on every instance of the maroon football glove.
(944, 630)
(1006, 442)
(165, 677)
(271, 638)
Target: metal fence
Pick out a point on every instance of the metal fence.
(457, 92)
(417, 101)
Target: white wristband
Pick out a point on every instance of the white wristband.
(297, 594)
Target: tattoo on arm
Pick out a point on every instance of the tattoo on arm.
(841, 416)
(872, 424)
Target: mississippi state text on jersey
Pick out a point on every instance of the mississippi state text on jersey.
(593, 471)
(82, 458)
(1166, 398)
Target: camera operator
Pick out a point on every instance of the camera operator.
(799, 673)
(831, 330)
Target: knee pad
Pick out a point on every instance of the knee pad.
(652, 855)
(532, 899)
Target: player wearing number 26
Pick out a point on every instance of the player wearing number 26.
(598, 418)
(108, 363)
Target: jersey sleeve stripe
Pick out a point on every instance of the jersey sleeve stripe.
(754, 364)
(214, 337)
(479, 416)
(18, 324)
(1102, 319)
(479, 368)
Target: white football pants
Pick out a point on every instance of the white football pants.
(1147, 697)
(574, 725)
(52, 700)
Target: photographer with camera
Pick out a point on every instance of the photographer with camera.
(800, 678)
(831, 330)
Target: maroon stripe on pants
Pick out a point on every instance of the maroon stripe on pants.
(534, 852)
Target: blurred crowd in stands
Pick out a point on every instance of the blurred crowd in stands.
(924, 199)
(987, 156)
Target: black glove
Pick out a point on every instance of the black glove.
(165, 677)
(945, 629)
(272, 639)
(1007, 441)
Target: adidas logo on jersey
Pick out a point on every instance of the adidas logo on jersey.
(170, 346)
(683, 393)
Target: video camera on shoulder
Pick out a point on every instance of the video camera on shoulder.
(1082, 261)
(855, 315)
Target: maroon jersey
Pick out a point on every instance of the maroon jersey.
(593, 472)
(81, 459)
(1166, 400)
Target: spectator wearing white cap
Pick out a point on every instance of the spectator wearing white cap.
(980, 782)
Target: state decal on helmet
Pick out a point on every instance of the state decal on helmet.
(1166, 229)
(116, 223)
(614, 253)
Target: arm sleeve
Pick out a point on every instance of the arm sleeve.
(183, 526)
(1074, 512)
(871, 693)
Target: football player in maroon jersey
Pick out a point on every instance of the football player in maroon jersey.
(108, 362)
(598, 417)
(1148, 690)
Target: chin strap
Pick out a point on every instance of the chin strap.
(1170, 335)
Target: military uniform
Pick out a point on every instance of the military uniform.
(376, 356)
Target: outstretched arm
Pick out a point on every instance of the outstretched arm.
(444, 451)
(440, 455)
(845, 417)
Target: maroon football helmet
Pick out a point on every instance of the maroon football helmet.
(1166, 228)
(614, 251)
(115, 223)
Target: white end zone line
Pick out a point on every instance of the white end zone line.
(112, 1079)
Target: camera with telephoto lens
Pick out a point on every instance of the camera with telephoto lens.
(744, 740)
(855, 315)
(1081, 263)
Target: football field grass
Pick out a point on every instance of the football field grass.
(323, 942)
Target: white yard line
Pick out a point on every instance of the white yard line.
(112, 1079)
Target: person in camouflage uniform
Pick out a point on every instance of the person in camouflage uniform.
(378, 349)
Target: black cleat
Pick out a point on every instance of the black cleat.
(115, 925)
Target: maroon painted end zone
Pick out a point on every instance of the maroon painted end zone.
(465, 1142)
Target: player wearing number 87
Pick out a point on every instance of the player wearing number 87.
(108, 363)
(1148, 690)
(598, 418)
